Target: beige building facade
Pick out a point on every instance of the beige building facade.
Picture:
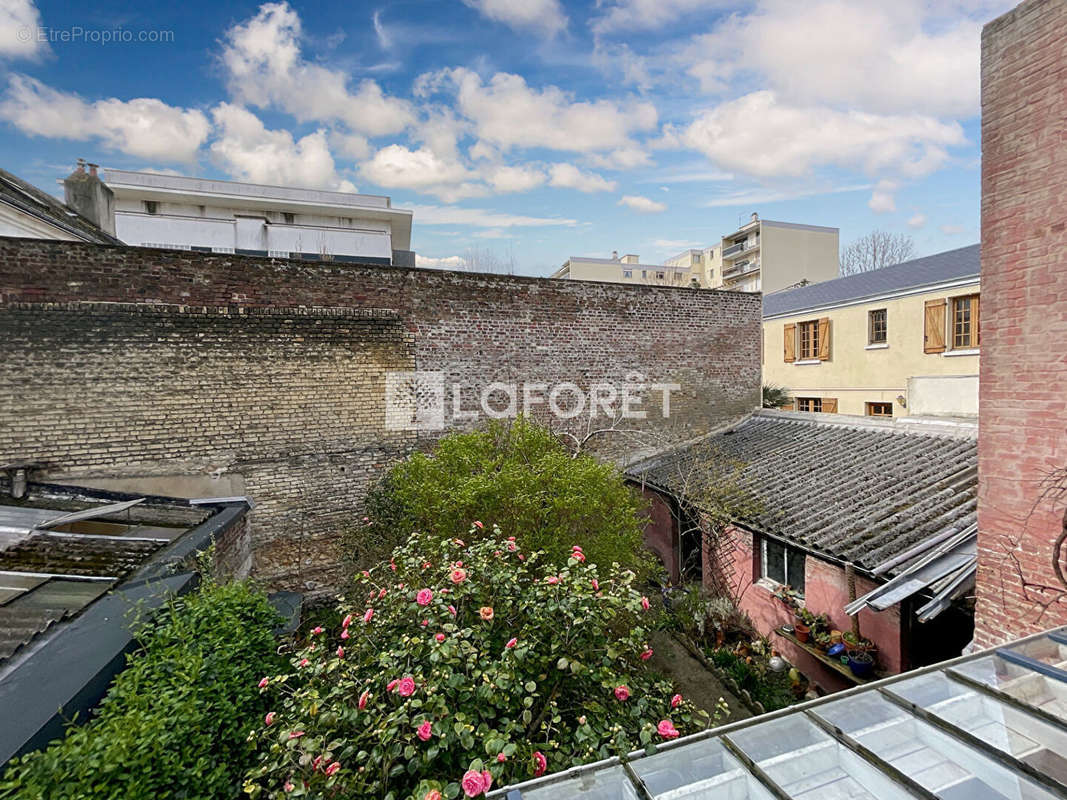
(900, 341)
(768, 256)
(629, 269)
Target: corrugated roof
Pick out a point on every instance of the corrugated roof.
(849, 488)
(964, 262)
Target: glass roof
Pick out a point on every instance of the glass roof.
(991, 726)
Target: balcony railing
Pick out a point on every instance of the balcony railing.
(734, 248)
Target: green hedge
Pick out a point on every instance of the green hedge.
(175, 722)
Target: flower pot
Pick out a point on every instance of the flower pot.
(861, 663)
(802, 631)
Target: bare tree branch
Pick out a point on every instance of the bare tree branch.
(876, 250)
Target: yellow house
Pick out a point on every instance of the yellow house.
(898, 341)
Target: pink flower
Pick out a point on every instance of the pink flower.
(406, 687)
(579, 555)
(487, 776)
(452, 610)
(288, 786)
(522, 557)
(676, 701)
(346, 621)
(459, 542)
(511, 538)
(425, 731)
(511, 643)
(459, 575)
(622, 693)
(344, 633)
(366, 574)
(433, 794)
(368, 615)
(540, 764)
(666, 729)
(577, 547)
(551, 580)
(478, 525)
(362, 704)
(473, 783)
(486, 613)
(500, 757)
(458, 564)
(317, 630)
(392, 566)
(426, 565)
(316, 763)
(263, 683)
(424, 597)
(392, 684)
(269, 719)
(596, 585)
(340, 652)
(512, 547)
(330, 770)
(440, 637)
(645, 656)
(644, 603)
(425, 622)
(304, 662)
(381, 593)
(295, 734)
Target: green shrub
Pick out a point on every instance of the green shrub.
(770, 689)
(518, 476)
(458, 658)
(175, 722)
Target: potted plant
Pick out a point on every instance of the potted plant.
(822, 641)
(802, 631)
(861, 663)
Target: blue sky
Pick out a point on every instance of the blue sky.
(525, 131)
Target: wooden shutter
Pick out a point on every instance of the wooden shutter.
(790, 406)
(829, 405)
(790, 342)
(824, 339)
(934, 327)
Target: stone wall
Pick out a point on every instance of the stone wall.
(198, 374)
(1024, 318)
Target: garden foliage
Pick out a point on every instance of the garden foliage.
(461, 667)
(175, 722)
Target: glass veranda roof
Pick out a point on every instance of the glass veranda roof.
(989, 726)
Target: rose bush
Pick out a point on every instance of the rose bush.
(459, 668)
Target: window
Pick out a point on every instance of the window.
(876, 326)
(809, 339)
(661, 275)
(627, 273)
(288, 217)
(879, 409)
(644, 273)
(150, 207)
(809, 404)
(782, 564)
(965, 332)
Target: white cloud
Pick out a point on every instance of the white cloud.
(642, 204)
(483, 218)
(385, 41)
(143, 127)
(882, 200)
(917, 221)
(952, 230)
(442, 262)
(514, 179)
(265, 68)
(20, 22)
(543, 16)
(423, 170)
(761, 136)
(629, 15)
(568, 176)
(507, 113)
(750, 197)
(250, 152)
(908, 56)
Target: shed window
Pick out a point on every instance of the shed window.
(809, 404)
(876, 326)
(782, 564)
(965, 322)
(809, 339)
(879, 409)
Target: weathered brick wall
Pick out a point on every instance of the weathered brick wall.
(1024, 316)
(132, 363)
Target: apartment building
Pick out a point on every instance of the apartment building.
(174, 211)
(898, 341)
(627, 269)
(702, 263)
(764, 255)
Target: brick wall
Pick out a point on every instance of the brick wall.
(1024, 316)
(192, 373)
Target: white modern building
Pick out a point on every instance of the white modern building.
(171, 211)
(766, 256)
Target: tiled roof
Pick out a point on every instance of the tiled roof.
(850, 488)
(31, 200)
(931, 270)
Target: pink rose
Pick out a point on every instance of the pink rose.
(551, 580)
(426, 565)
(540, 764)
(425, 731)
(511, 643)
(473, 783)
(479, 526)
(304, 662)
(263, 683)
(622, 693)
(433, 794)
(330, 770)
(645, 656)
(295, 734)
(362, 704)
(381, 593)
(346, 621)
(522, 557)
(452, 610)
(512, 547)
(425, 622)
(317, 630)
(459, 542)
(316, 764)
(269, 719)
(406, 687)
(344, 633)
(596, 585)
(501, 758)
(368, 615)
(577, 547)
(439, 637)
(392, 566)
(666, 729)
(287, 786)
(487, 777)
(424, 597)
(579, 555)
(392, 684)
(511, 538)
(676, 701)
(644, 603)
(340, 652)
(459, 575)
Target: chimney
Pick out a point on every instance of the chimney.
(614, 255)
(85, 193)
(754, 216)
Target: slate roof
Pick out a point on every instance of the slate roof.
(931, 270)
(30, 200)
(850, 488)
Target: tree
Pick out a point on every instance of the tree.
(775, 396)
(517, 475)
(876, 250)
(461, 666)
